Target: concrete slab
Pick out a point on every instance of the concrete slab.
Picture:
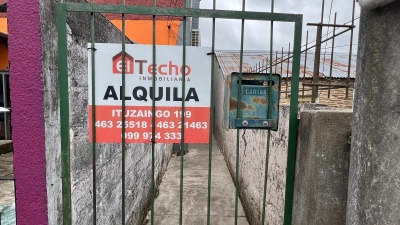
(6, 187)
(7, 199)
(195, 191)
(199, 220)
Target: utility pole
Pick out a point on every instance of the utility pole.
(317, 58)
(316, 64)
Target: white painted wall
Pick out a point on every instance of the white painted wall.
(253, 145)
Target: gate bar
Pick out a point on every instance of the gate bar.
(293, 125)
(211, 131)
(92, 52)
(188, 12)
(239, 115)
(123, 147)
(183, 115)
(64, 114)
(153, 120)
(268, 116)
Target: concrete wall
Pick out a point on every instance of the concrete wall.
(322, 168)
(322, 162)
(374, 180)
(253, 147)
(108, 158)
(36, 135)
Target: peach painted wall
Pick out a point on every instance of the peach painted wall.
(141, 31)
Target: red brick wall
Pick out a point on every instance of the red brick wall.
(337, 95)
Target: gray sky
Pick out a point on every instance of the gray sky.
(257, 32)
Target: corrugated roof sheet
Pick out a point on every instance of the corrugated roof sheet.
(229, 62)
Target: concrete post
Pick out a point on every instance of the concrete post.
(322, 167)
(28, 129)
(374, 179)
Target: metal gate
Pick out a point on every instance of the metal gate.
(64, 7)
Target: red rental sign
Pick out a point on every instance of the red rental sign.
(138, 124)
(139, 95)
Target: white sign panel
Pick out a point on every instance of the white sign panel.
(138, 93)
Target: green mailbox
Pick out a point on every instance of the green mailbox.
(255, 101)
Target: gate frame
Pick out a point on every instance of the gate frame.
(64, 7)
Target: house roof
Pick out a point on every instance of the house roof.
(252, 60)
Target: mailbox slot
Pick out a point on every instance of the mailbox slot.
(254, 101)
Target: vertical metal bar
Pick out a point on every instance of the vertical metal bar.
(322, 11)
(92, 53)
(326, 43)
(183, 114)
(351, 48)
(276, 60)
(263, 66)
(268, 115)
(123, 147)
(239, 115)
(293, 124)
(64, 113)
(331, 63)
(316, 64)
(3, 77)
(287, 72)
(282, 64)
(305, 65)
(317, 56)
(153, 120)
(211, 119)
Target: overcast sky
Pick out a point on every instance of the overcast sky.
(257, 32)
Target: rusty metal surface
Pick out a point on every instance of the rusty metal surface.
(253, 102)
(229, 63)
